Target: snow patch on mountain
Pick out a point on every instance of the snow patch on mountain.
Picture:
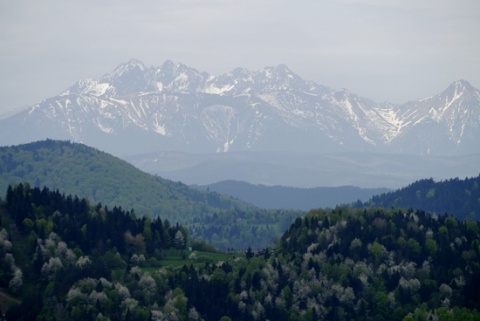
(212, 89)
(104, 128)
(272, 100)
(119, 101)
(159, 128)
(395, 124)
(448, 103)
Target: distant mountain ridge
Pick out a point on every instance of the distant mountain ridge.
(138, 109)
(306, 170)
(272, 197)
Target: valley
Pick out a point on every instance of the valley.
(306, 170)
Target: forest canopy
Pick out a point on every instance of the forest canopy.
(66, 259)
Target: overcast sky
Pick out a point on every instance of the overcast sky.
(395, 50)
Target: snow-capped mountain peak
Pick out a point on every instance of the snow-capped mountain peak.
(462, 85)
(176, 77)
(127, 78)
(88, 87)
(124, 70)
(176, 107)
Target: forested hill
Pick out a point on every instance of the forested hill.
(383, 264)
(80, 170)
(49, 241)
(460, 198)
(293, 197)
(76, 169)
(62, 258)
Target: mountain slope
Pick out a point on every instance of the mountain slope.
(176, 107)
(80, 170)
(458, 197)
(445, 122)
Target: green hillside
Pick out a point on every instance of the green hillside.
(84, 171)
(458, 197)
(64, 259)
(76, 169)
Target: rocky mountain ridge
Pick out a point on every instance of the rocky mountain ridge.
(137, 109)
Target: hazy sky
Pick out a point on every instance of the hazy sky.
(394, 50)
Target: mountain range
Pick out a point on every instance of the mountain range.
(274, 197)
(137, 109)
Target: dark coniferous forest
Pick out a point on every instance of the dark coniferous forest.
(64, 258)
(459, 197)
